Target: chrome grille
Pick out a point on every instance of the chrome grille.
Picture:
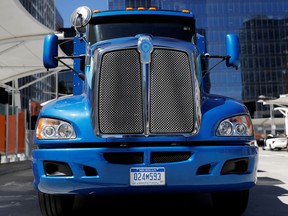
(135, 98)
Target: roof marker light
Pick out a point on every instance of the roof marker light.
(141, 8)
(96, 11)
(129, 8)
(152, 8)
(185, 11)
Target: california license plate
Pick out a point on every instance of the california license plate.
(141, 176)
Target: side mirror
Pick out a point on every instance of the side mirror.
(50, 51)
(233, 51)
(80, 18)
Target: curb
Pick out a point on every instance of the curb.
(6, 168)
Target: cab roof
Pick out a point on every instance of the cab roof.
(112, 16)
(141, 12)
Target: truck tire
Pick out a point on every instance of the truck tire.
(55, 205)
(230, 203)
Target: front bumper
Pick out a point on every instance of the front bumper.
(92, 172)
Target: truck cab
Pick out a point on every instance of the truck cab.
(139, 118)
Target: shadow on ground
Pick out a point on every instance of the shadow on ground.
(265, 199)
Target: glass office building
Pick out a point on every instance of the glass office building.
(45, 12)
(120, 4)
(262, 26)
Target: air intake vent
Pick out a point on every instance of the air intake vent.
(124, 157)
(169, 157)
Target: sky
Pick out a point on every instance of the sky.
(66, 7)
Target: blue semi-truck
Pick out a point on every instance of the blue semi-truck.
(140, 120)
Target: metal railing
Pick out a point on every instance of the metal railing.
(15, 137)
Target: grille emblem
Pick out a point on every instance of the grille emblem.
(145, 48)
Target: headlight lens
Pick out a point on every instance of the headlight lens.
(49, 128)
(235, 126)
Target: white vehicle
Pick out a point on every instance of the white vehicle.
(272, 143)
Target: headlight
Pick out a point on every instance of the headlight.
(49, 128)
(235, 126)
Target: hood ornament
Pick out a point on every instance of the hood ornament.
(145, 48)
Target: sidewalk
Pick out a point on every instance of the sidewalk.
(6, 168)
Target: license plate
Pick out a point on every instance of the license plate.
(141, 176)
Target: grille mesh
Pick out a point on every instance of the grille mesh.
(171, 92)
(120, 93)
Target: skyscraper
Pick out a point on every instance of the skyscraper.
(45, 12)
(120, 4)
(264, 58)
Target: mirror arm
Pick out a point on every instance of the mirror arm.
(207, 55)
(70, 57)
(223, 58)
(80, 75)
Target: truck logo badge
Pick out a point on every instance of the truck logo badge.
(145, 48)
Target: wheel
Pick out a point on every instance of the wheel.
(230, 203)
(55, 205)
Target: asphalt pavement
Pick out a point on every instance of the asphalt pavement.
(9, 167)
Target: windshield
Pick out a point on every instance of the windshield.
(123, 28)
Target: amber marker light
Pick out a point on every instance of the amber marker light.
(185, 11)
(129, 8)
(152, 8)
(39, 129)
(141, 8)
(96, 11)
